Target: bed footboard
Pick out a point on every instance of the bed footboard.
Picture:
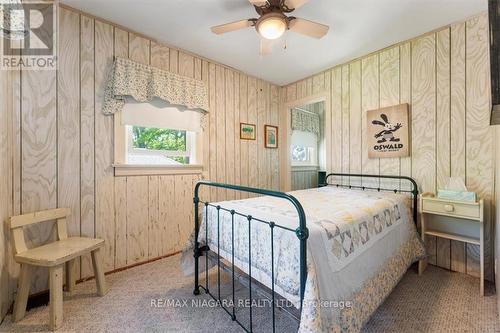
(301, 232)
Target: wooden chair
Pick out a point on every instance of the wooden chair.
(53, 255)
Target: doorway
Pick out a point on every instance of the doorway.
(307, 145)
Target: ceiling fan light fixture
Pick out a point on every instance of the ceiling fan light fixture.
(272, 26)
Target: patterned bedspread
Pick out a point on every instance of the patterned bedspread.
(360, 244)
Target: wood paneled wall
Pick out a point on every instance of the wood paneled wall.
(444, 76)
(497, 212)
(5, 186)
(304, 177)
(65, 152)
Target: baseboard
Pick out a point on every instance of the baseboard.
(42, 298)
(131, 266)
(39, 299)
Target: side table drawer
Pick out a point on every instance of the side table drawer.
(451, 208)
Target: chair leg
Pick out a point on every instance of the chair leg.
(23, 290)
(56, 296)
(99, 272)
(70, 277)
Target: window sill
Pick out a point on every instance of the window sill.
(148, 170)
(304, 167)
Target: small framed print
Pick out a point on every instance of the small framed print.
(247, 131)
(271, 136)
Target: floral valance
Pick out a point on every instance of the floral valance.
(305, 121)
(144, 83)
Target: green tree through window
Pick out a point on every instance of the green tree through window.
(160, 139)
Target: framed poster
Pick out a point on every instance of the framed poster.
(247, 131)
(388, 132)
(271, 136)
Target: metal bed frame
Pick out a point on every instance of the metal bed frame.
(301, 232)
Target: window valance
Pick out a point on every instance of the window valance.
(144, 83)
(305, 122)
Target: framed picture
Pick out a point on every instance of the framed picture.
(388, 132)
(247, 131)
(271, 136)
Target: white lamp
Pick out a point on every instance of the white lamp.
(272, 25)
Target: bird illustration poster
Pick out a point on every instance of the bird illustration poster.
(388, 132)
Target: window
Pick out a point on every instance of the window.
(304, 149)
(154, 146)
(302, 154)
(151, 138)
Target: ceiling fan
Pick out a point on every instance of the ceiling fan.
(273, 22)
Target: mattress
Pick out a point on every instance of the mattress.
(360, 244)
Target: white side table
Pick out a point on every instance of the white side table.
(472, 212)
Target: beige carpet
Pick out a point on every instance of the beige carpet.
(438, 301)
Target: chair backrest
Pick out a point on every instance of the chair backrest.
(16, 224)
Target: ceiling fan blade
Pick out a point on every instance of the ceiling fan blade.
(228, 27)
(308, 28)
(258, 3)
(295, 3)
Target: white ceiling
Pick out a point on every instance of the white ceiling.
(357, 27)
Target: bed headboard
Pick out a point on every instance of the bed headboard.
(386, 183)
